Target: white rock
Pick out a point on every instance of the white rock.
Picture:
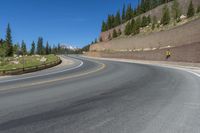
(182, 17)
(43, 59)
(37, 55)
(15, 62)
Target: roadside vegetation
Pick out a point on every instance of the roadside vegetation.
(11, 63)
(14, 56)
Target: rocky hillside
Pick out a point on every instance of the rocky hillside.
(182, 39)
(154, 12)
(181, 35)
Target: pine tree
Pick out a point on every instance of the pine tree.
(23, 48)
(124, 14)
(154, 3)
(148, 19)
(128, 29)
(9, 50)
(133, 28)
(144, 21)
(50, 50)
(137, 26)
(145, 5)
(32, 52)
(47, 48)
(59, 48)
(138, 10)
(110, 21)
(15, 48)
(176, 12)
(198, 9)
(191, 11)
(142, 6)
(129, 12)
(114, 35)
(3, 47)
(166, 16)
(104, 27)
(117, 19)
(40, 46)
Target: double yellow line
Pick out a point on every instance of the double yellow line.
(54, 80)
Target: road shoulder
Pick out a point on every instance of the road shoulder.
(193, 68)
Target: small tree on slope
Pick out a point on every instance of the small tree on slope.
(166, 16)
(176, 12)
(191, 11)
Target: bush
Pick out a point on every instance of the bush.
(191, 11)
(176, 12)
(119, 32)
(154, 22)
(114, 35)
(166, 16)
(198, 9)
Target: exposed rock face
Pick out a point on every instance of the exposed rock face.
(154, 12)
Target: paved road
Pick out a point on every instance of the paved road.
(93, 98)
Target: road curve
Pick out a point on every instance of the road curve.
(102, 97)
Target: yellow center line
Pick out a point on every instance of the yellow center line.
(58, 79)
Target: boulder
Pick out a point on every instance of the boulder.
(182, 17)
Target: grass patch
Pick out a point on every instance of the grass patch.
(28, 61)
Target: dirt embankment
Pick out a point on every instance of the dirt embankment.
(184, 53)
(182, 35)
(184, 41)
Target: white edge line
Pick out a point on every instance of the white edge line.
(160, 65)
(190, 71)
(45, 74)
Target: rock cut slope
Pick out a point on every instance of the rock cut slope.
(182, 35)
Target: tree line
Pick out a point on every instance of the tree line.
(128, 13)
(8, 49)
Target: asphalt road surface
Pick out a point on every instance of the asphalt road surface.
(101, 97)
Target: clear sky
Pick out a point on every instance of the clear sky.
(76, 22)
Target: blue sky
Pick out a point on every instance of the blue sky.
(75, 22)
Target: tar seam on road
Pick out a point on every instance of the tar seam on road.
(59, 79)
